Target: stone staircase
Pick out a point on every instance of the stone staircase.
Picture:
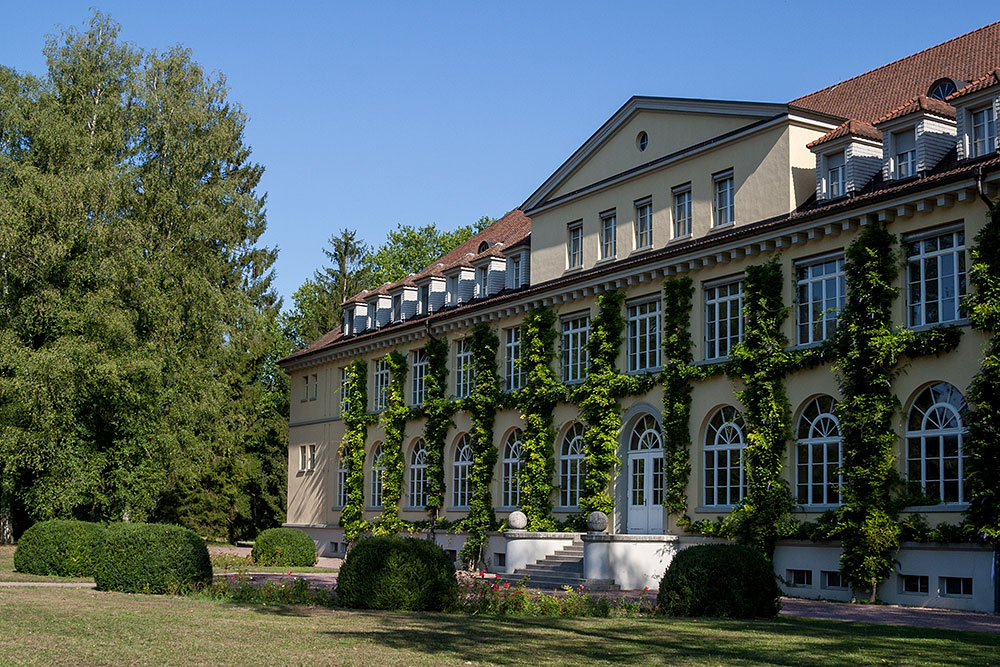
(563, 568)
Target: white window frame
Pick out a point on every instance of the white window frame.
(644, 223)
(418, 377)
(930, 435)
(573, 351)
(820, 294)
(424, 299)
(609, 234)
(512, 463)
(725, 435)
(723, 199)
(342, 473)
(574, 245)
(397, 307)
(452, 283)
(982, 131)
(482, 281)
(515, 374)
(515, 270)
(920, 261)
(349, 321)
(378, 467)
(464, 372)
(836, 175)
(307, 458)
(904, 162)
(817, 467)
(718, 303)
(682, 211)
(572, 467)
(345, 386)
(461, 488)
(644, 335)
(380, 384)
(418, 475)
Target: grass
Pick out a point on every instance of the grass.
(63, 626)
(7, 572)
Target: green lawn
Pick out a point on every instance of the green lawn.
(82, 626)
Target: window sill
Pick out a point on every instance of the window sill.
(681, 238)
(814, 509)
(460, 508)
(713, 509)
(643, 371)
(722, 227)
(964, 322)
(605, 260)
(937, 509)
(640, 250)
(573, 269)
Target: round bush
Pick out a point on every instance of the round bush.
(152, 558)
(60, 547)
(288, 547)
(719, 580)
(397, 573)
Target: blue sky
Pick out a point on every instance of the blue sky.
(370, 114)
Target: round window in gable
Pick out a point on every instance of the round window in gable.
(942, 88)
(483, 247)
(641, 141)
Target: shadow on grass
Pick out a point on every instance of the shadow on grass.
(554, 640)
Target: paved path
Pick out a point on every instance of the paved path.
(943, 619)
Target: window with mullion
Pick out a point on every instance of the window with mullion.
(906, 153)
(575, 359)
(418, 379)
(725, 480)
(818, 454)
(464, 375)
(723, 318)
(571, 467)
(515, 374)
(835, 175)
(644, 336)
(345, 386)
(936, 278)
(724, 209)
(575, 245)
(609, 234)
(682, 211)
(983, 131)
(418, 475)
(643, 224)
(935, 455)
(820, 291)
(512, 464)
(381, 384)
(461, 490)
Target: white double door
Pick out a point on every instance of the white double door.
(646, 484)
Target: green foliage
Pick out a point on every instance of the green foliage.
(59, 547)
(289, 547)
(982, 444)
(721, 581)
(599, 405)
(397, 573)
(760, 361)
(352, 449)
(867, 351)
(152, 558)
(394, 423)
(677, 294)
(483, 405)
(482, 596)
(438, 411)
(243, 589)
(537, 400)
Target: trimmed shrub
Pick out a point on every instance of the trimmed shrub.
(60, 547)
(288, 547)
(152, 558)
(397, 573)
(719, 580)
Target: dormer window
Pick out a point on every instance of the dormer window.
(397, 307)
(984, 131)
(515, 270)
(942, 88)
(905, 144)
(482, 281)
(348, 322)
(835, 176)
(483, 247)
(452, 290)
(425, 300)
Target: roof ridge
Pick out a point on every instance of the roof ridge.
(961, 92)
(923, 103)
(897, 60)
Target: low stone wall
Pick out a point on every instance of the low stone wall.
(524, 548)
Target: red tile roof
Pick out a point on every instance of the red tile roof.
(871, 95)
(983, 82)
(920, 103)
(851, 128)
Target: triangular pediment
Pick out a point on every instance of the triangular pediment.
(670, 126)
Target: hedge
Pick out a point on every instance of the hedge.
(287, 547)
(60, 547)
(397, 573)
(152, 558)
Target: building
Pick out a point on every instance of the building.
(702, 189)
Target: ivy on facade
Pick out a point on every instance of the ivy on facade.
(760, 362)
(394, 418)
(352, 449)
(677, 371)
(482, 405)
(437, 412)
(536, 401)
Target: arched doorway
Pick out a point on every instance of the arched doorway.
(646, 481)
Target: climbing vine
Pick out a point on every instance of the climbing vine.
(761, 362)
(352, 449)
(677, 344)
(437, 411)
(394, 418)
(537, 400)
(482, 405)
(599, 405)
(982, 444)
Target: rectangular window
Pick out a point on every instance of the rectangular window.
(831, 579)
(303, 458)
(425, 299)
(914, 583)
(799, 578)
(984, 132)
(372, 314)
(307, 458)
(575, 359)
(345, 385)
(936, 279)
(725, 479)
(381, 392)
(958, 587)
(515, 271)
(342, 484)
(609, 234)
(575, 245)
(644, 224)
(906, 153)
(644, 336)
(723, 318)
(724, 203)
(682, 211)
(820, 290)
(419, 373)
(452, 290)
(482, 281)
(397, 307)
(818, 463)
(349, 322)
(463, 368)
(305, 388)
(835, 175)
(515, 374)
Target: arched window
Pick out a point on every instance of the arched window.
(818, 454)
(342, 471)
(512, 464)
(571, 467)
(646, 437)
(725, 482)
(461, 491)
(934, 433)
(378, 467)
(418, 475)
